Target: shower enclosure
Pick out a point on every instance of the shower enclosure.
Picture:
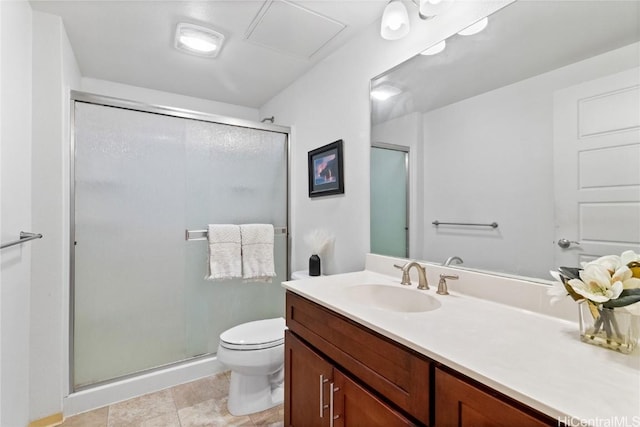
(141, 177)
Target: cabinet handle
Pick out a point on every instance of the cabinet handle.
(331, 416)
(323, 380)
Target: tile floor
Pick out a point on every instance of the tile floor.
(196, 404)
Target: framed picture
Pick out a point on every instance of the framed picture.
(325, 170)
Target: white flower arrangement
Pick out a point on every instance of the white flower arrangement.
(608, 282)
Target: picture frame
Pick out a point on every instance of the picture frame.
(326, 175)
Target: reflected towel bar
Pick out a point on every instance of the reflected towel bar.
(492, 225)
(202, 234)
(24, 237)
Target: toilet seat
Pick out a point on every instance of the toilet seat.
(256, 335)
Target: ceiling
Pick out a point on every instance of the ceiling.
(522, 40)
(269, 43)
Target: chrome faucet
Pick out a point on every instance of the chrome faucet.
(442, 284)
(449, 260)
(422, 274)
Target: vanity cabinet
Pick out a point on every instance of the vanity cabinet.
(459, 403)
(399, 375)
(340, 373)
(318, 394)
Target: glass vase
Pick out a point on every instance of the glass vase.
(614, 328)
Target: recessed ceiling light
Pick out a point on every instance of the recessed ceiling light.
(198, 40)
(384, 92)
(475, 28)
(435, 49)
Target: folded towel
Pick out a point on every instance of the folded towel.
(224, 252)
(257, 252)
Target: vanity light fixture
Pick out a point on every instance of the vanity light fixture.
(431, 8)
(395, 21)
(384, 92)
(395, 18)
(435, 49)
(475, 28)
(198, 40)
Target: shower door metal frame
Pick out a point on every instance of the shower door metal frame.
(107, 101)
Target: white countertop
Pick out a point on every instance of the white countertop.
(537, 359)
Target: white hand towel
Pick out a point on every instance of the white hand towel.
(257, 252)
(225, 259)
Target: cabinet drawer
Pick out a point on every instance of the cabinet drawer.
(398, 373)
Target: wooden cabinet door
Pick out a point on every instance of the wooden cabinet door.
(354, 406)
(460, 404)
(393, 371)
(307, 380)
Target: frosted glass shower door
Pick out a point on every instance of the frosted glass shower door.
(389, 186)
(140, 300)
(239, 179)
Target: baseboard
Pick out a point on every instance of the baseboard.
(50, 421)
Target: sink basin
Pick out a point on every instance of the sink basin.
(392, 298)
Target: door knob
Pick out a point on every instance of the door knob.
(566, 243)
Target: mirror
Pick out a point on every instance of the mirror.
(486, 123)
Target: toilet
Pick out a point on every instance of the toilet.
(254, 352)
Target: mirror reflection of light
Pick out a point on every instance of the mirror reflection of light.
(435, 49)
(384, 92)
(475, 28)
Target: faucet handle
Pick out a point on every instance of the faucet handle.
(406, 280)
(442, 284)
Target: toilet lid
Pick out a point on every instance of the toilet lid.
(254, 335)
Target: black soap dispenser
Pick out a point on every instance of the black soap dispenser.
(314, 265)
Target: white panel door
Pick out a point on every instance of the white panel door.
(597, 168)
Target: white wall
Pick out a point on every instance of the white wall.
(331, 102)
(490, 158)
(407, 131)
(55, 73)
(155, 97)
(15, 210)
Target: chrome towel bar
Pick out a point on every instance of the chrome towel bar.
(24, 237)
(492, 225)
(202, 234)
